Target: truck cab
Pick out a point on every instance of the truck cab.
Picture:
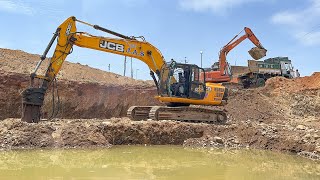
(287, 69)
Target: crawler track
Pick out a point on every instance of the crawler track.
(138, 113)
(183, 114)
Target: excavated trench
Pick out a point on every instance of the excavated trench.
(256, 120)
(283, 116)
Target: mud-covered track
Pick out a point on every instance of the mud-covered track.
(182, 114)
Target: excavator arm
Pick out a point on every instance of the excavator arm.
(248, 34)
(256, 53)
(67, 36)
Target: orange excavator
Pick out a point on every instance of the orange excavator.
(220, 71)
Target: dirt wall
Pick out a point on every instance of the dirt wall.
(77, 99)
(75, 133)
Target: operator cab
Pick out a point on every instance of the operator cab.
(182, 81)
(216, 67)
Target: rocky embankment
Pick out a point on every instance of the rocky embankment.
(76, 99)
(75, 133)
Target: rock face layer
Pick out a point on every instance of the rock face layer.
(76, 99)
(84, 92)
(75, 133)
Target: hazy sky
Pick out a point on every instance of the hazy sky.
(179, 28)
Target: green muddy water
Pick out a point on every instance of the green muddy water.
(154, 162)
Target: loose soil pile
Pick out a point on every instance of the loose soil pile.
(300, 97)
(24, 63)
(278, 85)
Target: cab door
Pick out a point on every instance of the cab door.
(197, 88)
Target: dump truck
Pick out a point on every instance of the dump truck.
(260, 71)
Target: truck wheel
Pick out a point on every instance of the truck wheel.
(246, 84)
(260, 82)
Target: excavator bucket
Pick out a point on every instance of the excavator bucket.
(31, 113)
(32, 100)
(257, 53)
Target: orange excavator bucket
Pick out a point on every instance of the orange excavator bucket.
(257, 53)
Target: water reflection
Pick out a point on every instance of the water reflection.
(155, 162)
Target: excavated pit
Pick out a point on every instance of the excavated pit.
(283, 116)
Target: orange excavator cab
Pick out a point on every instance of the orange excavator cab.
(221, 71)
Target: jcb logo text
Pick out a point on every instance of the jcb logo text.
(111, 46)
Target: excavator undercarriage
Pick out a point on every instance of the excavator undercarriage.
(183, 114)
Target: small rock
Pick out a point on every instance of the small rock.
(307, 136)
(211, 143)
(218, 139)
(300, 127)
(316, 136)
(290, 128)
(317, 149)
(311, 130)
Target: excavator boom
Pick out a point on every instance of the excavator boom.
(68, 36)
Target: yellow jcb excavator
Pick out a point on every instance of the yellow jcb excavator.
(179, 85)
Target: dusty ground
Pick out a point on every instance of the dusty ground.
(283, 116)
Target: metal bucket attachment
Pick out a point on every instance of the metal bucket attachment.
(30, 113)
(257, 53)
(32, 100)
